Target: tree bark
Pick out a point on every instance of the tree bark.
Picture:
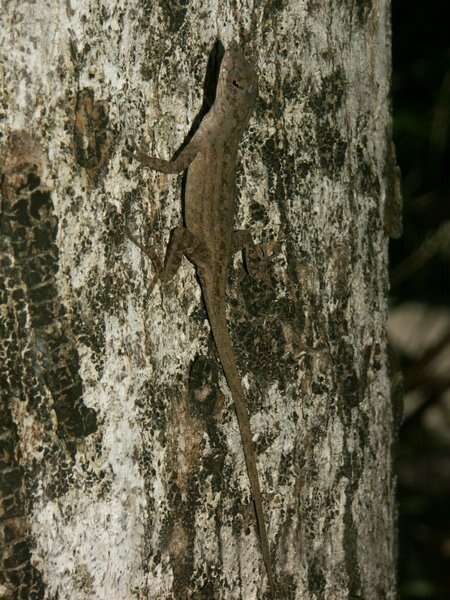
(121, 468)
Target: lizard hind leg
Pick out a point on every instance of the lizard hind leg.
(182, 241)
(255, 258)
(151, 254)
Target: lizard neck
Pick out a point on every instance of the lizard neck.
(228, 124)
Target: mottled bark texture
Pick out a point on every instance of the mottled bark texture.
(121, 469)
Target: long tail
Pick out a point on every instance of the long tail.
(222, 339)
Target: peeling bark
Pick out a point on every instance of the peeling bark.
(121, 468)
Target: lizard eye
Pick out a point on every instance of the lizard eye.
(236, 84)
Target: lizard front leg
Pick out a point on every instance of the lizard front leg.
(182, 160)
(178, 164)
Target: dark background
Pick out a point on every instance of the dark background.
(420, 295)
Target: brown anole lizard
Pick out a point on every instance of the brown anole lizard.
(209, 240)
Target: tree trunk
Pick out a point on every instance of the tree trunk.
(121, 468)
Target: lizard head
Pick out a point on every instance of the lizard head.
(238, 84)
